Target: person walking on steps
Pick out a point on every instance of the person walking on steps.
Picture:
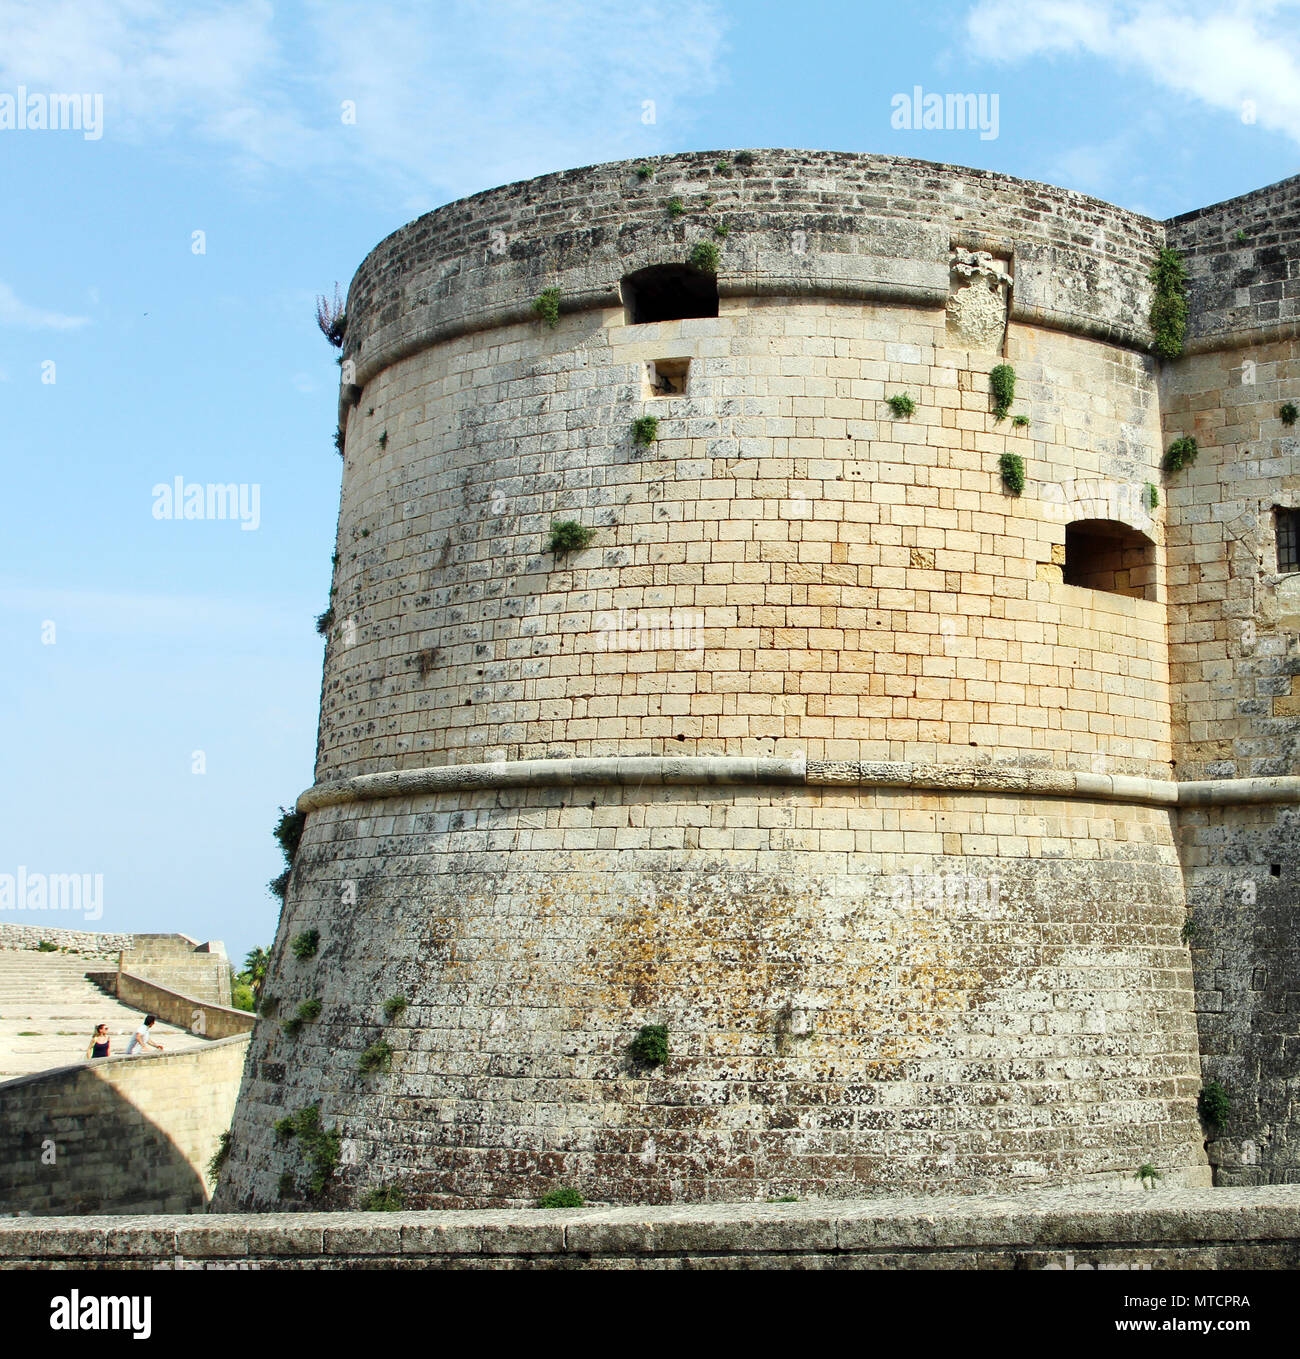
(142, 1038)
(98, 1043)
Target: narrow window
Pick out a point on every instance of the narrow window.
(1102, 554)
(669, 292)
(1288, 540)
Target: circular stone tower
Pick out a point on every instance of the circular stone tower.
(836, 757)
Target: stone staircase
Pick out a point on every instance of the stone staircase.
(48, 1011)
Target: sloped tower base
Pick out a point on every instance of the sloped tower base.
(843, 1019)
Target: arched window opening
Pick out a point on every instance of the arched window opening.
(1102, 554)
(669, 292)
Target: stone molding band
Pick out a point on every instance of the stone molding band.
(434, 328)
(718, 770)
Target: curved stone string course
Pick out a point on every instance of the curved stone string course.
(947, 830)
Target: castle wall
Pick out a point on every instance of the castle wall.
(119, 1135)
(858, 649)
(863, 991)
(1235, 654)
(786, 567)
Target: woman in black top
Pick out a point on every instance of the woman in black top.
(99, 1043)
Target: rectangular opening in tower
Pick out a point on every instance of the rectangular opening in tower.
(668, 292)
(1288, 540)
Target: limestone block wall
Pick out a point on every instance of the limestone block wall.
(838, 1026)
(1174, 1229)
(1235, 658)
(121, 1135)
(788, 567)
(186, 1012)
(851, 606)
(179, 963)
(77, 941)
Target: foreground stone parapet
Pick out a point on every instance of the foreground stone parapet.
(1255, 1228)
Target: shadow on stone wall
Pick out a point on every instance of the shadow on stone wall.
(124, 1135)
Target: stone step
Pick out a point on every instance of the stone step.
(48, 1012)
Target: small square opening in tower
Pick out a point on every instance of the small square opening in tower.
(667, 377)
(1288, 539)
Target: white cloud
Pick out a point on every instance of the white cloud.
(16, 313)
(1220, 54)
(450, 98)
(470, 95)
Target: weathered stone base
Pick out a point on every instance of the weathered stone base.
(865, 991)
(1255, 1228)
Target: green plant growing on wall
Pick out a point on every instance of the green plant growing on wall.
(1181, 453)
(321, 1146)
(309, 1011)
(1169, 305)
(1213, 1104)
(561, 1198)
(547, 305)
(387, 1199)
(1020, 421)
(1002, 384)
(1148, 1175)
(292, 1026)
(288, 1186)
(288, 832)
(325, 621)
(1288, 413)
(650, 1046)
(305, 944)
(1012, 468)
(1190, 932)
(722, 231)
(1241, 236)
(383, 439)
(705, 256)
(338, 440)
(394, 1006)
(219, 1157)
(268, 1005)
(644, 172)
(45, 946)
(785, 1198)
(675, 208)
(377, 1057)
(567, 535)
(743, 158)
(722, 167)
(1153, 495)
(645, 430)
(902, 405)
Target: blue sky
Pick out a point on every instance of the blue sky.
(172, 637)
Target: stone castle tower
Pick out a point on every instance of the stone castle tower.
(950, 833)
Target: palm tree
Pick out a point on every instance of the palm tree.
(255, 965)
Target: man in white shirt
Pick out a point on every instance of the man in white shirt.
(142, 1038)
